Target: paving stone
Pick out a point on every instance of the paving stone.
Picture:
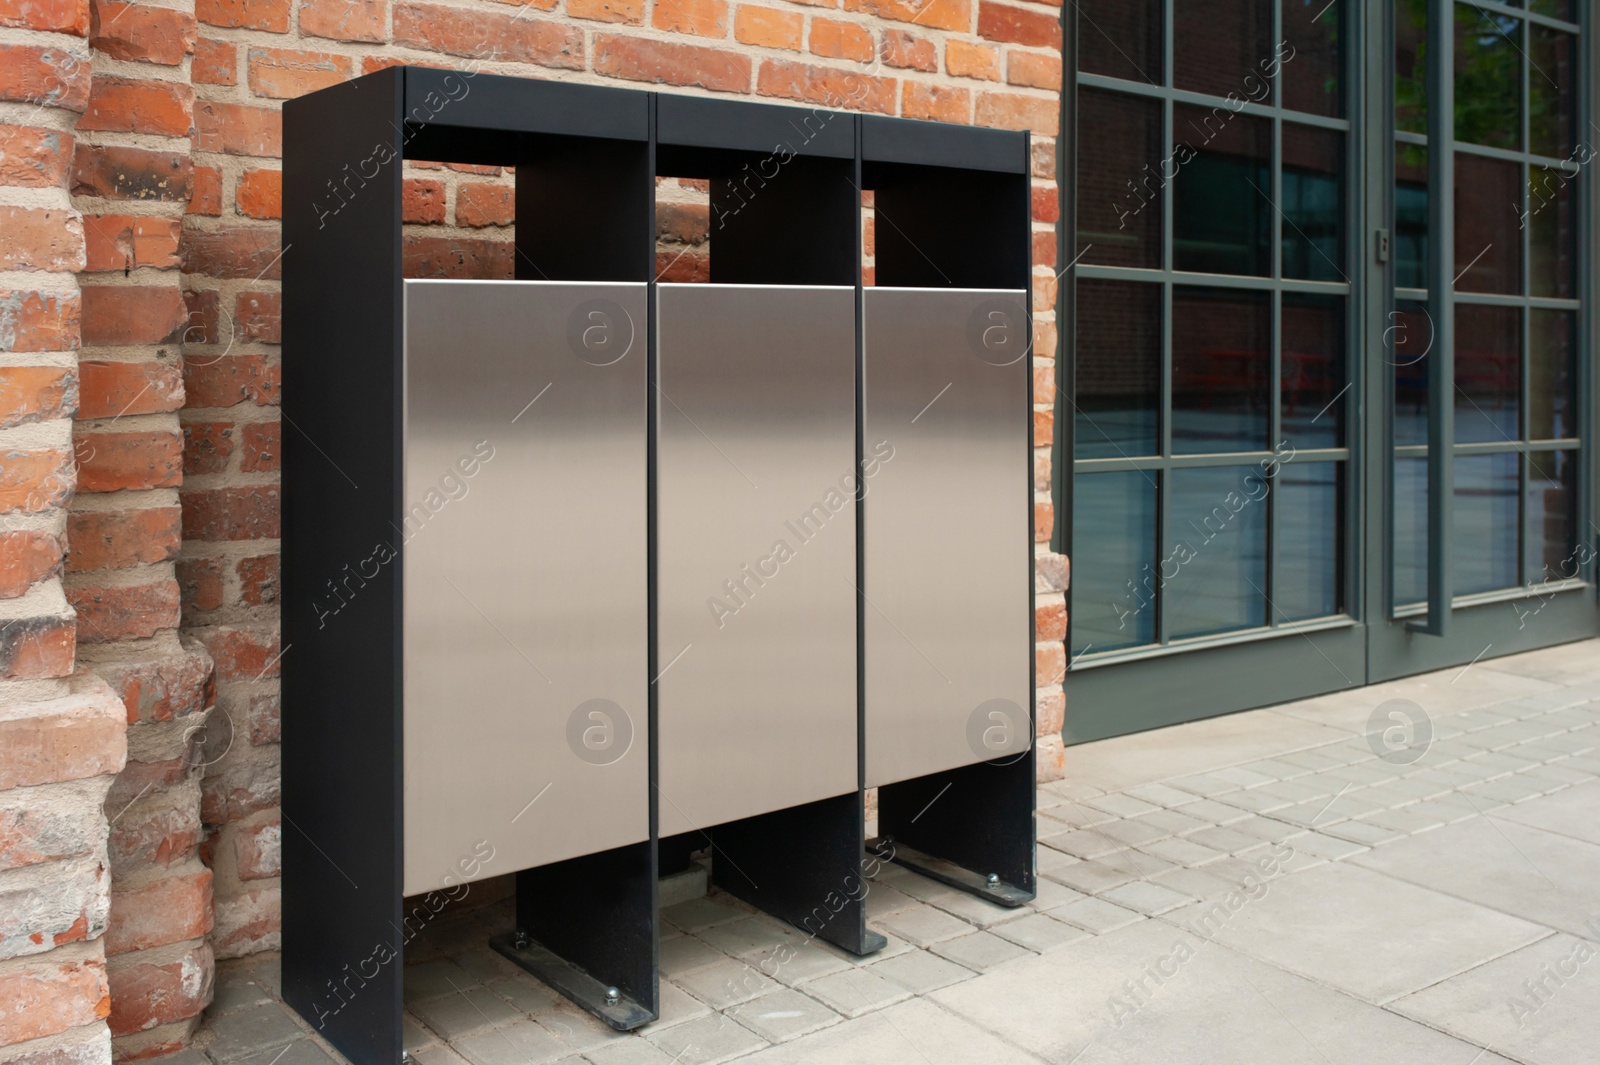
(783, 1015)
(1078, 815)
(1145, 897)
(1241, 776)
(303, 1052)
(431, 979)
(696, 914)
(1182, 851)
(1276, 768)
(1329, 847)
(483, 964)
(1196, 883)
(924, 924)
(1173, 822)
(795, 964)
(1215, 811)
(1131, 832)
(685, 954)
(235, 988)
(1085, 843)
(918, 1032)
(1506, 790)
(1048, 894)
(920, 971)
(1122, 804)
(883, 899)
(1314, 759)
(525, 993)
(980, 951)
(579, 1030)
(233, 1035)
(1161, 795)
(1039, 932)
(727, 983)
(1227, 839)
(1407, 820)
(1256, 800)
(1096, 915)
(1095, 876)
(1363, 832)
(454, 1015)
(1205, 785)
(677, 1006)
(635, 1051)
(518, 1043)
(749, 935)
(412, 1034)
(856, 991)
(438, 1054)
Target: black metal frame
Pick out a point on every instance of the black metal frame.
(587, 926)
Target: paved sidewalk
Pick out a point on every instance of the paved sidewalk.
(1259, 888)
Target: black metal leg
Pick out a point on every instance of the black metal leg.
(587, 927)
(803, 865)
(971, 828)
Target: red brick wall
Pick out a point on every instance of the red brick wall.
(166, 140)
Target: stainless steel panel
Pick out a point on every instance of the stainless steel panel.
(947, 530)
(756, 550)
(526, 626)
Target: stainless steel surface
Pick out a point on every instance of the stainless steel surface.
(946, 530)
(756, 550)
(525, 579)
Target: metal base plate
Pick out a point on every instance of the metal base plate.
(623, 1014)
(1001, 894)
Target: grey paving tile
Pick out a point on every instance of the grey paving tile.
(1227, 839)
(1147, 898)
(685, 954)
(1161, 795)
(1181, 851)
(430, 979)
(793, 965)
(1328, 847)
(1370, 935)
(980, 951)
(884, 899)
(749, 935)
(1216, 812)
(635, 1051)
(1574, 812)
(1096, 915)
(696, 914)
(1122, 805)
(1086, 842)
(1196, 883)
(233, 1035)
(1130, 833)
(924, 925)
(1363, 832)
(454, 1015)
(1407, 820)
(519, 1043)
(579, 1030)
(413, 1034)
(727, 983)
(1173, 822)
(438, 1054)
(1048, 895)
(525, 993)
(235, 987)
(677, 1006)
(1094, 876)
(707, 1041)
(1039, 932)
(856, 991)
(912, 1032)
(921, 971)
(1257, 800)
(1188, 751)
(979, 913)
(783, 1015)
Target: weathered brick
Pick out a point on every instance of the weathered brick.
(50, 822)
(265, 718)
(422, 201)
(160, 688)
(47, 238)
(143, 33)
(127, 105)
(199, 580)
(626, 11)
(222, 381)
(47, 75)
(112, 461)
(964, 60)
(50, 997)
(146, 994)
(35, 394)
(257, 849)
(207, 192)
(204, 325)
(767, 27)
(344, 20)
(54, 16)
(39, 321)
(127, 242)
(112, 389)
(117, 539)
(250, 253)
(215, 62)
(1044, 422)
(35, 479)
(941, 103)
(258, 580)
(459, 257)
(828, 86)
(932, 14)
(902, 49)
(670, 63)
(35, 649)
(126, 612)
(479, 204)
(242, 513)
(259, 449)
(81, 735)
(1050, 619)
(132, 314)
(269, 15)
(483, 35)
(1019, 25)
(837, 39)
(283, 73)
(26, 558)
(1044, 254)
(1044, 384)
(238, 129)
(703, 18)
(35, 158)
(242, 652)
(260, 193)
(169, 910)
(161, 827)
(117, 172)
(249, 923)
(1033, 70)
(239, 791)
(1046, 205)
(1010, 110)
(259, 316)
(1050, 662)
(1050, 706)
(682, 223)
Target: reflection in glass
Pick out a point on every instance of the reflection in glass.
(1410, 216)
(1313, 203)
(1120, 39)
(1308, 547)
(1488, 225)
(1411, 65)
(1114, 523)
(1407, 343)
(1121, 173)
(1488, 373)
(1311, 79)
(1222, 219)
(1552, 373)
(1313, 371)
(1221, 369)
(1214, 576)
(1552, 243)
(1410, 531)
(1552, 75)
(1552, 508)
(1553, 8)
(1484, 533)
(1488, 78)
(1118, 369)
(1224, 47)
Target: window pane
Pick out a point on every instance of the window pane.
(1120, 39)
(1552, 232)
(1410, 216)
(1484, 537)
(1215, 576)
(1552, 373)
(1488, 78)
(1551, 103)
(1313, 203)
(1114, 523)
(1553, 8)
(1408, 341)
(1309, 542)
(1221, 362)
(1224, 46)
(1410, 65)
(1120, 177)
(1552, 517)
(1488, 373)
(1488, 225)
(1118, 369)
(1313, 371)
(1312, 77)
(1222, 218)
(1410, 531)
